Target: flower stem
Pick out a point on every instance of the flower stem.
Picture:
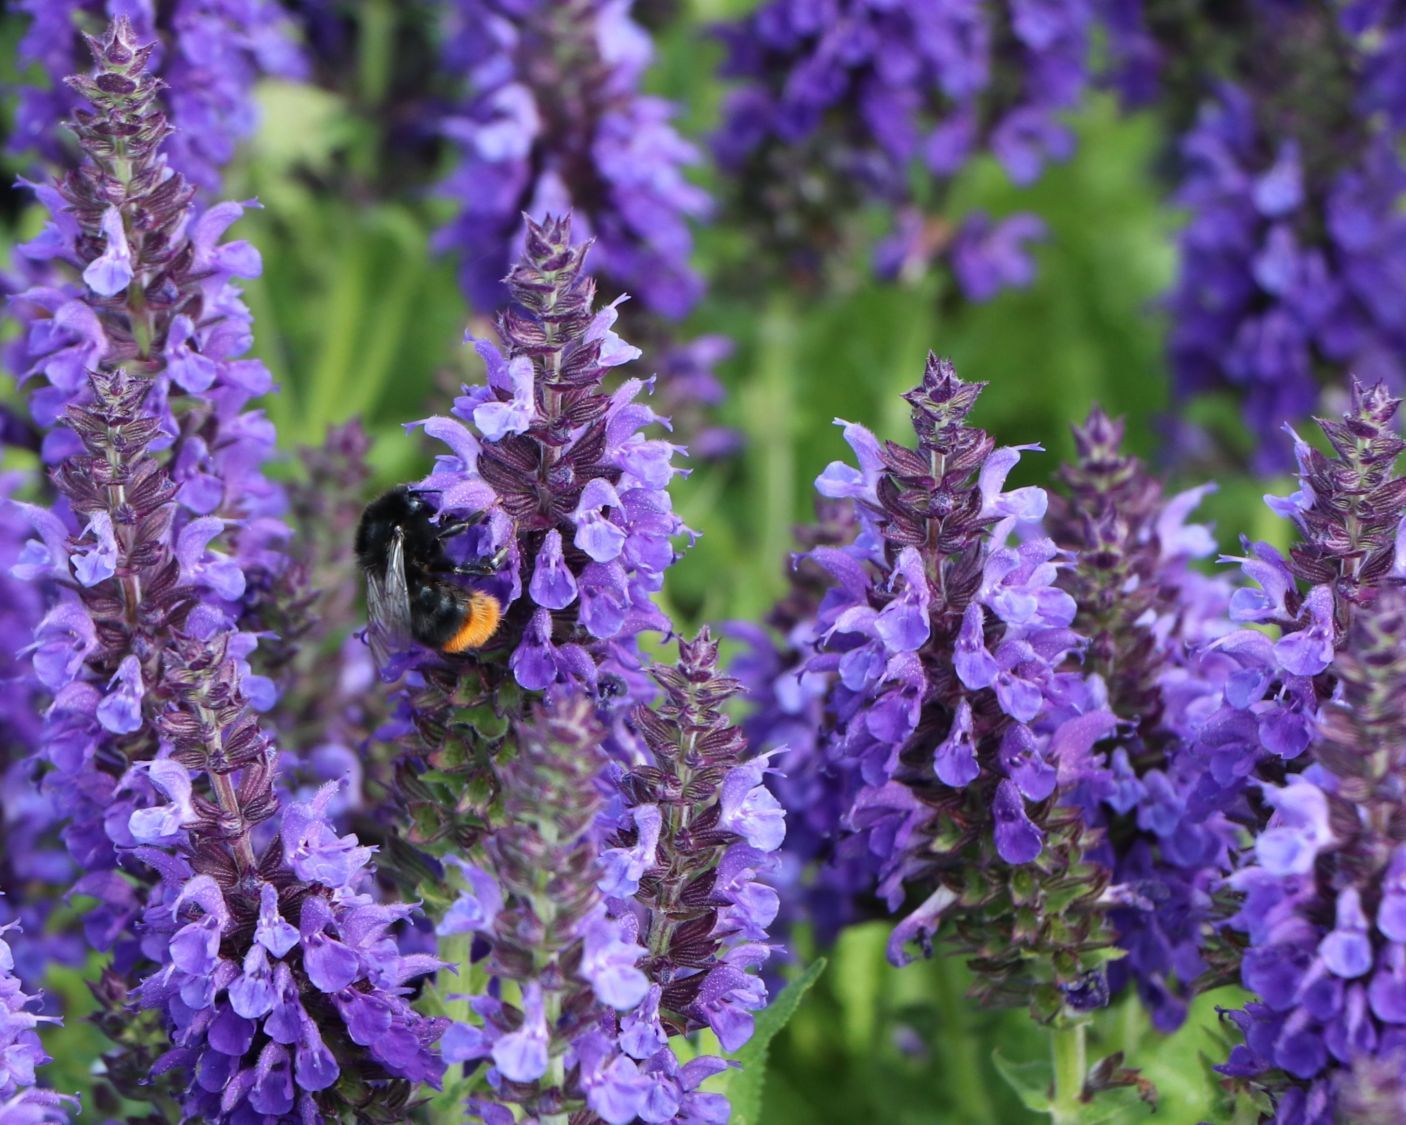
(1070, 1066)
(555, 1078)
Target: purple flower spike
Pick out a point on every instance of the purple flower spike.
(211, 58)
(1146, 613)
(955, 725)
(1317, 898)
(573, 506)
(537, 908)
(21, 1052)
(171, 531)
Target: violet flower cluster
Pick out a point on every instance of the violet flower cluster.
(21, 1052)
(542, 924)
(1260, 717)
(1324, 900)
(153, 296)
(210, 56)
(553, 120)
(616, 949)
(821, 879)
(274, 972)
(1147, 616)
(121, 223)
(1296, 746)
(568, 491)
(952, 707)
(1294, 258)
(846, 102)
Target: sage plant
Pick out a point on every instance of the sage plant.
(949, 697)
(151, 734)
(152, 294)
(1323, 900)
(619, 944)
(548, 118)
(843, 103)
(1297, 746)
(567, 488)
(21, 1052)
(1147, 615)
(552, 120)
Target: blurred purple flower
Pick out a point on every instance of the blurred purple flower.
(845, 102)
(553, 120)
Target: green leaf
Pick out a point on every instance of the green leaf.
(1115, 1106)
(744, 1087)
(1030, 1080)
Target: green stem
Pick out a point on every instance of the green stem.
(1070, 1066)
(1246, 1112)
(555, 1078)
(959, 1048)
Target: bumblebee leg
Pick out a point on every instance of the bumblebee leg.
(454, 527)
(482, 569)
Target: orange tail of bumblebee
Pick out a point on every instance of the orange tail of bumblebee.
(484, 614)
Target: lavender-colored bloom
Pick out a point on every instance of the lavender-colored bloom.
(21, 1052)
(1261, 711)
(1319, 904)
(846, 102)
(1294, 259)
(1146, 614)
(33, 862)
(969, 738)
(571, 496)
(147, 667)
(552, 120)
(96, 651)
(820, 882)
(210, 56)
(536, 908)
(702, 907)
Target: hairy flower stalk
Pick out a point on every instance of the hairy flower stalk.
(211, 55)
(554, 1049)
(1324, 900)
(566, 489)
(1146, 614)
(1259, 720)
(617, 949)
(848, 103)
(690, 849)
(282, 993)
(1278, 751)
(952, 701)
(157, 300)
(1295, 251)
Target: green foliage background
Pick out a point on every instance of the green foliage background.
(355, 317)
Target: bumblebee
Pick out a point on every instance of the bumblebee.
(409, 595)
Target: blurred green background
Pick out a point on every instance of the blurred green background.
(356, 318)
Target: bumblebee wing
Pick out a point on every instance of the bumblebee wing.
(388, 606)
